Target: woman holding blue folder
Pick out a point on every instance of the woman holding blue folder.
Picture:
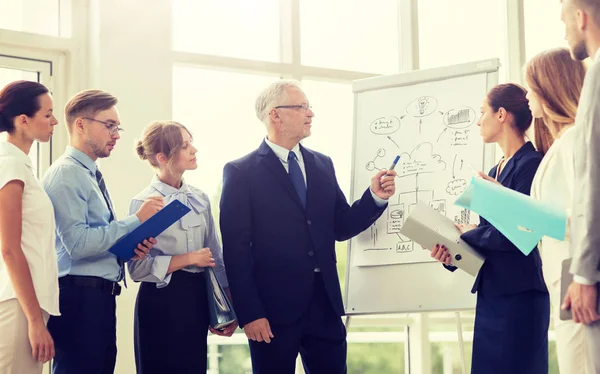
(555, 82)
(513, 307)
(172, 310)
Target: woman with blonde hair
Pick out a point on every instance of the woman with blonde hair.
(555, 82)
(171, 311)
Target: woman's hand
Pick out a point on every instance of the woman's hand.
(202, 258)
(440, 253)
(488, 178)
(42, 345)
(226, 331)
(464, 228)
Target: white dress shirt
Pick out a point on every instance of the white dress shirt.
(282, 155)
(553, 184)
(37, 236)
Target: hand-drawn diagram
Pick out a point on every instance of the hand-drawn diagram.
(456, 186)
(422, 106)
(385, 125)
(371, 164)
(463, 218)
(457, 123)
(422, 160)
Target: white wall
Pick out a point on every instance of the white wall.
(130, 46)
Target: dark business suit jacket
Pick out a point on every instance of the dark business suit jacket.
(506, 269)
(271, 244)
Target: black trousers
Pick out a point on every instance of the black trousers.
(319, 336)
(171, 326)
(85, 334)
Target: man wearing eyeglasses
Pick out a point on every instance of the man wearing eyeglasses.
(86, 227)
(281, 212)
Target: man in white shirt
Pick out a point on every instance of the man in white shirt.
(582, 32)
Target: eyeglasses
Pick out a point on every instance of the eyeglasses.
(111, 127)
(303, 107)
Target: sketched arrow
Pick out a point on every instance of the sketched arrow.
(453, 164)
(403, 116)
(420, 123)
(442, 113)
(392, 140)
(443, 132)
(461, 163)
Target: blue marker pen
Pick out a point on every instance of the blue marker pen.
(394, 163)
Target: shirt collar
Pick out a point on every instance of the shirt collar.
(166, 189)
(282, 153)
(9, 149)
(82, 158)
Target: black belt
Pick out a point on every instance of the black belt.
(112, 288)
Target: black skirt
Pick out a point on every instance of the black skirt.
(511, 333)
(171, 326)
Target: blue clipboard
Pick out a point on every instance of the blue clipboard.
(153, 227)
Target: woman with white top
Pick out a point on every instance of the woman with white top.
(555, 82)
(28, 268)
(171, 312)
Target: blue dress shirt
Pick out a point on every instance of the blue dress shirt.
(83, 231)
(195, 230)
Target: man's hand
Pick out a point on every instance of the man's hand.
(583, 301)
(226, 331)
(383, 184)
(149, 207)
(143, 248)
(259, 330)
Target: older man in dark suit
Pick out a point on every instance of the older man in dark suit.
(281, 212)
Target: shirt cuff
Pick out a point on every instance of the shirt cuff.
(581, 280)
(378, 200)
(160, 266)
(131, 222)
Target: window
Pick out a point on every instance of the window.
(452, 32)
(332, 128)
(543, 28)
(218, 108)
(246, 29)
(350, 35)
(10, 75)
(47, 17)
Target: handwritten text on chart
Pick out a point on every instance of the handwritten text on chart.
(456, 187)
(404, 247)
(396, 218)
(385, 125)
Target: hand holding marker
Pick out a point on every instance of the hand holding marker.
(392, 167)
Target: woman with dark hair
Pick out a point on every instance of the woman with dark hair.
(513, 307)
(28, 267)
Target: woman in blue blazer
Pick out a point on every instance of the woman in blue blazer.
(513, 307)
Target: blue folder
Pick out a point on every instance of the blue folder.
(153, 227)
(521, 218)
